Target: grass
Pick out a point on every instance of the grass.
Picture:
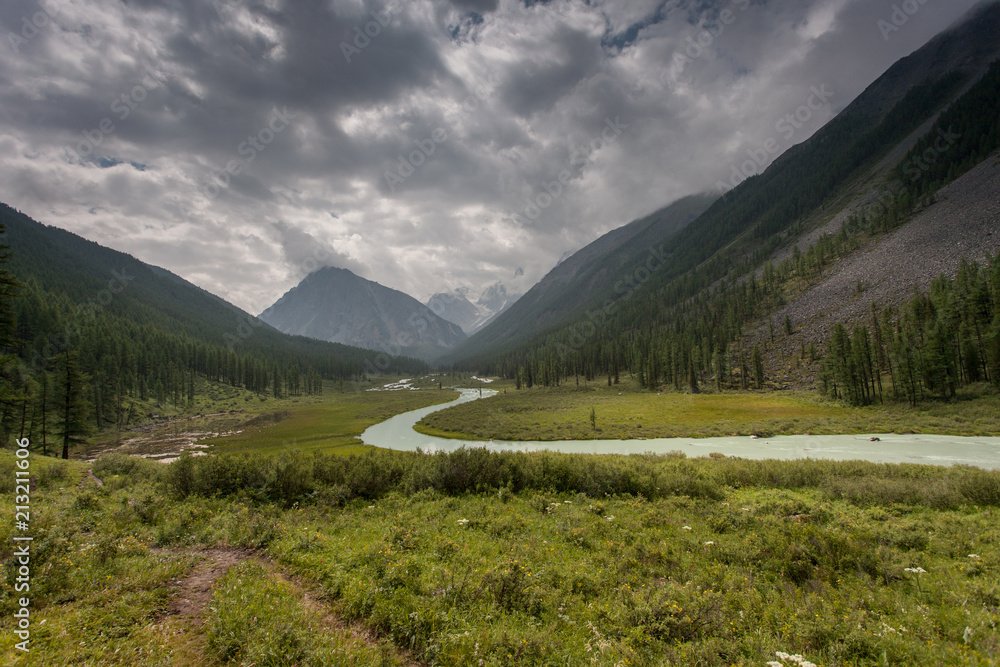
(742, 560)
(481, 558)
(622, 412)
(332, 424)
(259, 619)
(541, 579)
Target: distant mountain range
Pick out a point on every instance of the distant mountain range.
(338, 306)
(456, 306)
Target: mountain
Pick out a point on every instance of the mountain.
(338, 306)
(136, 339)
(456, 307)
(570, 287)
(719, 280)
(71, 284)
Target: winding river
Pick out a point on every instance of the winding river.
(984, 452)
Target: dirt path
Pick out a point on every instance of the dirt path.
(91, 477)
(185, 616)
(193, 593)
(356, 631)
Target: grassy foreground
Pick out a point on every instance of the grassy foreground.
(479, 558)
(621, 412)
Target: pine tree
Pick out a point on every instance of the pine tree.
(9, 363)
(72, 424)
(758, 367)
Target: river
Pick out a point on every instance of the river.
(983, 452)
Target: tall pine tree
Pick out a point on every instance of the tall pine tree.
(72, 423)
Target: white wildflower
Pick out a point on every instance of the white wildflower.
(463, 521)
(685, 527)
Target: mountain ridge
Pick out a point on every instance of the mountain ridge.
(733, 239)
(336, 305)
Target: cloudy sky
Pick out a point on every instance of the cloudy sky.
(239, 143)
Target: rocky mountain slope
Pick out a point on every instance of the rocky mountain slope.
(336, 305)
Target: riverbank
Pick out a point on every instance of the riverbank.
(620, 412)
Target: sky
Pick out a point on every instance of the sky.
(426, 145)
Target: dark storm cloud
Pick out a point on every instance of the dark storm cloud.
(536, 85)
(190, 89)
(480, 6)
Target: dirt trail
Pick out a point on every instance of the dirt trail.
(313, 604)
(91, 477)
(193, 593)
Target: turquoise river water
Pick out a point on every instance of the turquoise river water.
(983, 452)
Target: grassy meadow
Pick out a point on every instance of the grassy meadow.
(476, 558)
(327, 425)
(293, 545)
(564, 413)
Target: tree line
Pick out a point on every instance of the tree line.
(940, 341)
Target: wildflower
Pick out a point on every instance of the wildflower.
(685, 527)
(709, 543)
(610, 517)
(463, 521)
(974, 556)
(915, 570)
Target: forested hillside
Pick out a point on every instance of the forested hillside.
(689, 322)
(583, 281)
(94, 339)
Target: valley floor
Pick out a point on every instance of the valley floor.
(292, 546)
